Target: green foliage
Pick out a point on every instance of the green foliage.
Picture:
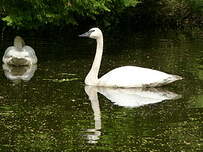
(182, 10)
(172, 12)
(33, 13)
(36, 13)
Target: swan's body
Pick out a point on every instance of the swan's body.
(135, 77)
(19, 54)
(126, 76)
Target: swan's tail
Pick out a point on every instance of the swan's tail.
(177, 77)
(173, 78)
(170, 79)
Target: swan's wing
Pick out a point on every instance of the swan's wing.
(132, 76)
(30, 53)
(8, 51)
(30, 50)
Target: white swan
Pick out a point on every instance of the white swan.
(19, 54)
(126, 76)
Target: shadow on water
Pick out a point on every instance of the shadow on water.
(49, 110)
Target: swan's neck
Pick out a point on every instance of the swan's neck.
(92, 77)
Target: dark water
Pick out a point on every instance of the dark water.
(53, 111)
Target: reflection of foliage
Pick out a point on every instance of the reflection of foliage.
(61, 80)
(40, 128)
(56, 127)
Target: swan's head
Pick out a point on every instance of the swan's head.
(93, 33)
(19, 42)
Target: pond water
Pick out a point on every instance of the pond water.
(52, 110)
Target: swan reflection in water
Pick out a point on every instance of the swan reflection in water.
(93, 134)
(18, 73)
(130, 98)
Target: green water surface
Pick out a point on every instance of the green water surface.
(52, 111)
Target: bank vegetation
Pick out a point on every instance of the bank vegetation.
(34, 14)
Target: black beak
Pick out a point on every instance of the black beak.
(86, 34)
